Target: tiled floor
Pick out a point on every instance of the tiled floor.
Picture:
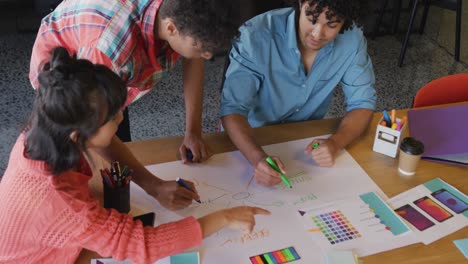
(161, 112)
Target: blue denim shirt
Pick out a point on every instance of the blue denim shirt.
(266, 81)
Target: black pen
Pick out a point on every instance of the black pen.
(189, 155)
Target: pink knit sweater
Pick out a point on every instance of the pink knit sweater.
(50, 219)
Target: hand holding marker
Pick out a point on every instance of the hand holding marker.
(273, 164)
(189, 155)
(184, 184)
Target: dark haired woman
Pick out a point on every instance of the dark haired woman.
(47, 212)
(141, 41)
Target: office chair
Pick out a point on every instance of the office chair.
(455, 5)
(381, 10)
(445, 90)
(249, 10)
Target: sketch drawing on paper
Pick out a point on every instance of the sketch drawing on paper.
(252, 195)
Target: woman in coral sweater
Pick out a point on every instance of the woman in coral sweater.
(47, 211)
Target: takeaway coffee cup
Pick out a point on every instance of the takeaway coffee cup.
(411, 151)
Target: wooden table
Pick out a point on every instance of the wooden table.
(382, 169)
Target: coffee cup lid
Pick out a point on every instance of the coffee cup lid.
(412, 146)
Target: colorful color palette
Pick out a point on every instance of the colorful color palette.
(336, 227)
(276, 257)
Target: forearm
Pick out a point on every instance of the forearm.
(352, 126)
(117, 150)
(212, 223)
(242, 135)
(116, 235)
(193, 78)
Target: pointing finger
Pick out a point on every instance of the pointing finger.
(258, 210)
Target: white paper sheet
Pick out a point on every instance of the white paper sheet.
(225, 180)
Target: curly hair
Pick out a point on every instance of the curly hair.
(352, 12)
(213, 23)
(73, 95)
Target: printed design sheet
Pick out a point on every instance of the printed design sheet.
(433, 210)
(363, 224)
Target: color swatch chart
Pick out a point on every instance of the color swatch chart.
(276, 257)
(336, 227)
(363, 224)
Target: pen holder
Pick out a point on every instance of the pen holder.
(387, 140)
(117, 198)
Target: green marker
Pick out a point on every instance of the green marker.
(315, 145)
(273, 164)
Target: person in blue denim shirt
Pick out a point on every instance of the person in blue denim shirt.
(284, 68)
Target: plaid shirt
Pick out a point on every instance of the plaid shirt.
(115, 33)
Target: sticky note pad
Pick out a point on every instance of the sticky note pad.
(340, 257)
(186, 258)
(462, 245)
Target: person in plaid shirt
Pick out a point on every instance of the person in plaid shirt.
(141, 40)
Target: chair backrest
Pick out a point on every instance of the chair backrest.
(445, 90)
(251, 8)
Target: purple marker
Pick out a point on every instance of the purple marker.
(398, 126)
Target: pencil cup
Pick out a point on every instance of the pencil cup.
(387, 139)
(117, 198)
(411, 151)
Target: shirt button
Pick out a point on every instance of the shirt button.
(297, 109)
(303, 86)
(297, 51)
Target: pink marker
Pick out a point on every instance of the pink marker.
(398, 126)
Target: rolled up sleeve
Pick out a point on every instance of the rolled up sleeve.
(243, 78)
(359, 81)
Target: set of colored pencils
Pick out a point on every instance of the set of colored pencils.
(115, 176)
